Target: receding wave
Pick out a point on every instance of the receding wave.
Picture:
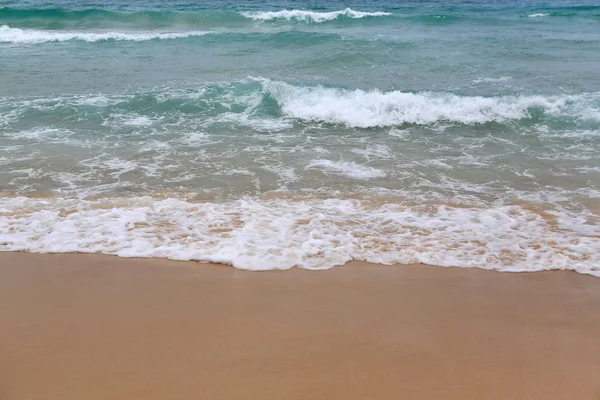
(30, 36)
(314, 234)
(310, 16)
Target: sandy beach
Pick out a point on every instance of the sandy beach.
(101, 327)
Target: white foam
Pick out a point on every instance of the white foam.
(248, 119)
(313, 234)
(348, 169)
(31, 36)
(492, 80)
(367, 109)
(138, 121)
(46, 134)
(113, 166)
(537, 15)
(310, 16)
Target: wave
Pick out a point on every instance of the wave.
(368, 109)
(254, 101)
(310, 16)
(106, 18)
(22, 13)
(575, 11)
(59, 18)
(15, 35)
(578, 8)
(295, 38)
(259, 234)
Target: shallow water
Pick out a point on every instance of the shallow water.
(273, 134)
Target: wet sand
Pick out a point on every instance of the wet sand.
(76, 327)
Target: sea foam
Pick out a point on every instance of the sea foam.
(260, 234)
(30, 36)
(310, 16)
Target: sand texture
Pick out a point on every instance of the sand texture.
(87, 327)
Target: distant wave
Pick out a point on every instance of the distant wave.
(64, 18)
(106, 18)
(17, 13)
(295, 38)
(310, 16)
(31, 36)
(565, 12)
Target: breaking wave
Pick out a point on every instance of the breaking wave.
(30, 36)
(310, 16)
(375, 108)
(253, 100)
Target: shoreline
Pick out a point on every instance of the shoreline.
(98, 326)
(276, 233)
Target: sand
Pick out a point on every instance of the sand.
(86, 327)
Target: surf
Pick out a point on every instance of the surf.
(257, 234)
(28, 36)
(311, 16)
(258, 98)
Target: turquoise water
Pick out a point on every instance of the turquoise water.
(278, 134)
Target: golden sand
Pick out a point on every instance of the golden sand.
(86, 327)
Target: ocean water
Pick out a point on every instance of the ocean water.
(274, 134)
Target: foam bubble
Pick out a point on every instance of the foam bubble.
(348, 169)
(30, 36)
(537, 15)
(314, 234)
(309, 16)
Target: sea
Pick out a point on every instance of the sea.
(296, 133)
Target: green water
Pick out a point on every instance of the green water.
(491, 107)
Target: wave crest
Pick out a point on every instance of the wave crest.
(256, 101)
(310, 16)
(369, 109)
(30, 36)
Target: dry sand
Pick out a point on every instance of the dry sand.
(86, 327)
